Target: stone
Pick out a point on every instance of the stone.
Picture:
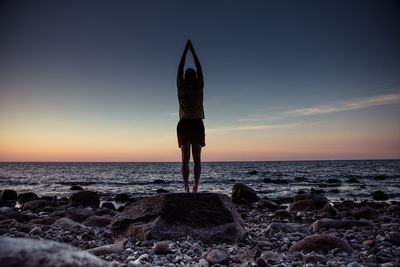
(8, 194)
(25, 197)
(78, 214)
(394, 238)
(26, 252)
(105, 211)
(158, 181)
(122, 197)
(282, 214)
(267, 258)
(312, 259)
(85, 199)
(307, 202)
(76, 188)
(379, 195)
(115, 248)
(35, 204)
(203, 263)
(108, 205)
(97, 221)
(243, 192)
(45, 220)
(161, 247)
(276, 227)
(368, 242)
(365, 212)
(339, 224)
(320, 242)
(265, 203)
(36, 231)
(329, 210)
(252, 172)
(66, 223)
(217, 256)
(209, 217)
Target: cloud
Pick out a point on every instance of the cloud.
(252, 127)
(347, 105)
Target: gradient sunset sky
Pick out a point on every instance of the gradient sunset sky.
(284, 80)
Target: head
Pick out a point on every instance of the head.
(190, 75)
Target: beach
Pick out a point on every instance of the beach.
(304, 229)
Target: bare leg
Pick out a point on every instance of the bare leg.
(196, 152)
(185, 148)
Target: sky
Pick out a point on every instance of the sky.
(284, 80)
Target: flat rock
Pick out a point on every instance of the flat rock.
(85, 199)
(78, 214)
(365, 212)
(319, 242)
(339, 224)
(35, 204)
(243, 192)
(98, 221)
(217, 256)
(25, 252)
(209, 217)
(115, 248)
(66, 223)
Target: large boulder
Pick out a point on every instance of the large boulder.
(241, 192)
(209, 217)
(25, 252)
(8, 194)
(85, 198)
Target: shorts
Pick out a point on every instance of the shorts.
(191, 131)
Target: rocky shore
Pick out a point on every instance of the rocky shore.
(306, 229)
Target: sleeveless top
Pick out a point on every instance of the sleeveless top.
(190, 98)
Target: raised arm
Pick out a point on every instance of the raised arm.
(196, 62)
(179, 78)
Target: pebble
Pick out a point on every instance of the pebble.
(377, 247)
(217, 256)
(161, 247)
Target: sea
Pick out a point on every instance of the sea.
(273, 179)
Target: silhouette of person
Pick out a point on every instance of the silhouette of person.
(190, 128)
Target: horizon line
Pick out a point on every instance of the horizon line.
(210, 161)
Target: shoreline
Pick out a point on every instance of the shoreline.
(273, 225)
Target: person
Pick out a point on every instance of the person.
(190, 128)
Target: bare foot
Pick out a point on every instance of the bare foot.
(195, 187)
(187, 190)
